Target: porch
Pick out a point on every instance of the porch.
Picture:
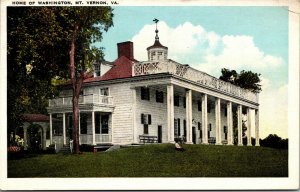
(95, 127)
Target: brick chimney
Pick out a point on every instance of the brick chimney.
(125, 49)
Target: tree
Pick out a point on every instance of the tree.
(38, 54)
(274, 141)
(246, 79)
(85, 28)
(35, 54)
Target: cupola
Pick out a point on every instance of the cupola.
(157, 52)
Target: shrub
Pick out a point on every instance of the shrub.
(86, 148)
(274, 141)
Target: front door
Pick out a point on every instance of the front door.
(194, 135)
(159, 134)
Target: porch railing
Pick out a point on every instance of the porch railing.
(99, 138)
(187, 72)
(103, 138)
(84, 99)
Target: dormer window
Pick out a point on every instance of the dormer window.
(97, 71)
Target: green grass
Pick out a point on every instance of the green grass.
(158, 161)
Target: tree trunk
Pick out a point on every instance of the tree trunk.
(76, 85)
(76, 129)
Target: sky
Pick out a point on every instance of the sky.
(211, 38)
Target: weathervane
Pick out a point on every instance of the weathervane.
(156, 31)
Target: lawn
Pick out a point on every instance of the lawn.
(159, 160)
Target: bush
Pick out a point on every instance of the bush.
(274, 141)
(86, 148)
(51, 149)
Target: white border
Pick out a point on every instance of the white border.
(291, 182)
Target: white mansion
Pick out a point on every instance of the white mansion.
(159, 98)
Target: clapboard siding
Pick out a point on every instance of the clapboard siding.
(122, 115)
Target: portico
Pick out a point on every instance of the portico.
(216, 100)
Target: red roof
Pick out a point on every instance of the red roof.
(122, 68)
(36, 118)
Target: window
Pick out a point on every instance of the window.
(199, 128)
(184, 102)
(184, 128)
(209, 130)
(225, 132)
(176, 127)
(176, 101)
(97, 70)
(199, 105)
(149, 119)
(152, 55)
(159, 55)
(146, 131)
(97, 123)
(145, 93)
(57, 125)
(159, 96)
(146, 119)
(104, 124)
(225, 112)
(83, 123)
(104, 91)
(48, 133)
(70, 122)
(208, 108)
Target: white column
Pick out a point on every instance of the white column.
(64, 128)
(170, 111)
(249, 127)
(189, 117)
(218, 121)
(79, 131)
(204, 119)
(240, 118)
(257, 127)
(25, 138)
(229, 124)
(51, 128)
(93, 127)
(44, 136)
(134, 127)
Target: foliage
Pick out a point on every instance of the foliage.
(85, 25)
(35, 53)
(160, 160)
(39, 43)
(245, 79)
(274, 141)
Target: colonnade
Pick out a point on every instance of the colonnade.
(204, 104)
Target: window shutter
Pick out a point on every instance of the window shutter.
(142, 93)
(149, 119)
(178, 127)
(142, 118)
